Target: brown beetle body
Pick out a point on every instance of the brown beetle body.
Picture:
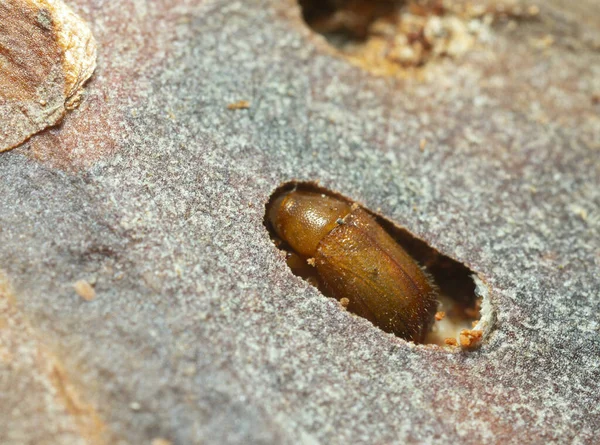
(356, 259)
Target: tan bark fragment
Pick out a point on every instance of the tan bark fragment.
(85, 290)
(46, 54)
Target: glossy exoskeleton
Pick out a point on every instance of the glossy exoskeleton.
(355, 259)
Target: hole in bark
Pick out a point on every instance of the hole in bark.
(386, 37)
(458, 294)
(346, 21)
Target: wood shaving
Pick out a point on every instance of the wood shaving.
(85, 290)
(470, 338)
(239, 105)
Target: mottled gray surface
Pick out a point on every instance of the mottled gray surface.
(201, 334)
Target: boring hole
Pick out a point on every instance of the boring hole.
(459, 304)
(386, 37)
(348, 258)
(344, 22)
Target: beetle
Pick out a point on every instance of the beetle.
(355, 259)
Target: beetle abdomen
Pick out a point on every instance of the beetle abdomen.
(359, 261)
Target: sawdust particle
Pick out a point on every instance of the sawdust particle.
(470, 338)
(239, 105)
(451, 341)
(135, 406)
(85, 290)
(543, 42)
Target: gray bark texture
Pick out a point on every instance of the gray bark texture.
(153, 191)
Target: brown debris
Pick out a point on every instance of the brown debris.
(48, 53)
(239, 105)
(440, 315)
(470, 338)
(451, 341)
(543, 42)
(85, 290)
